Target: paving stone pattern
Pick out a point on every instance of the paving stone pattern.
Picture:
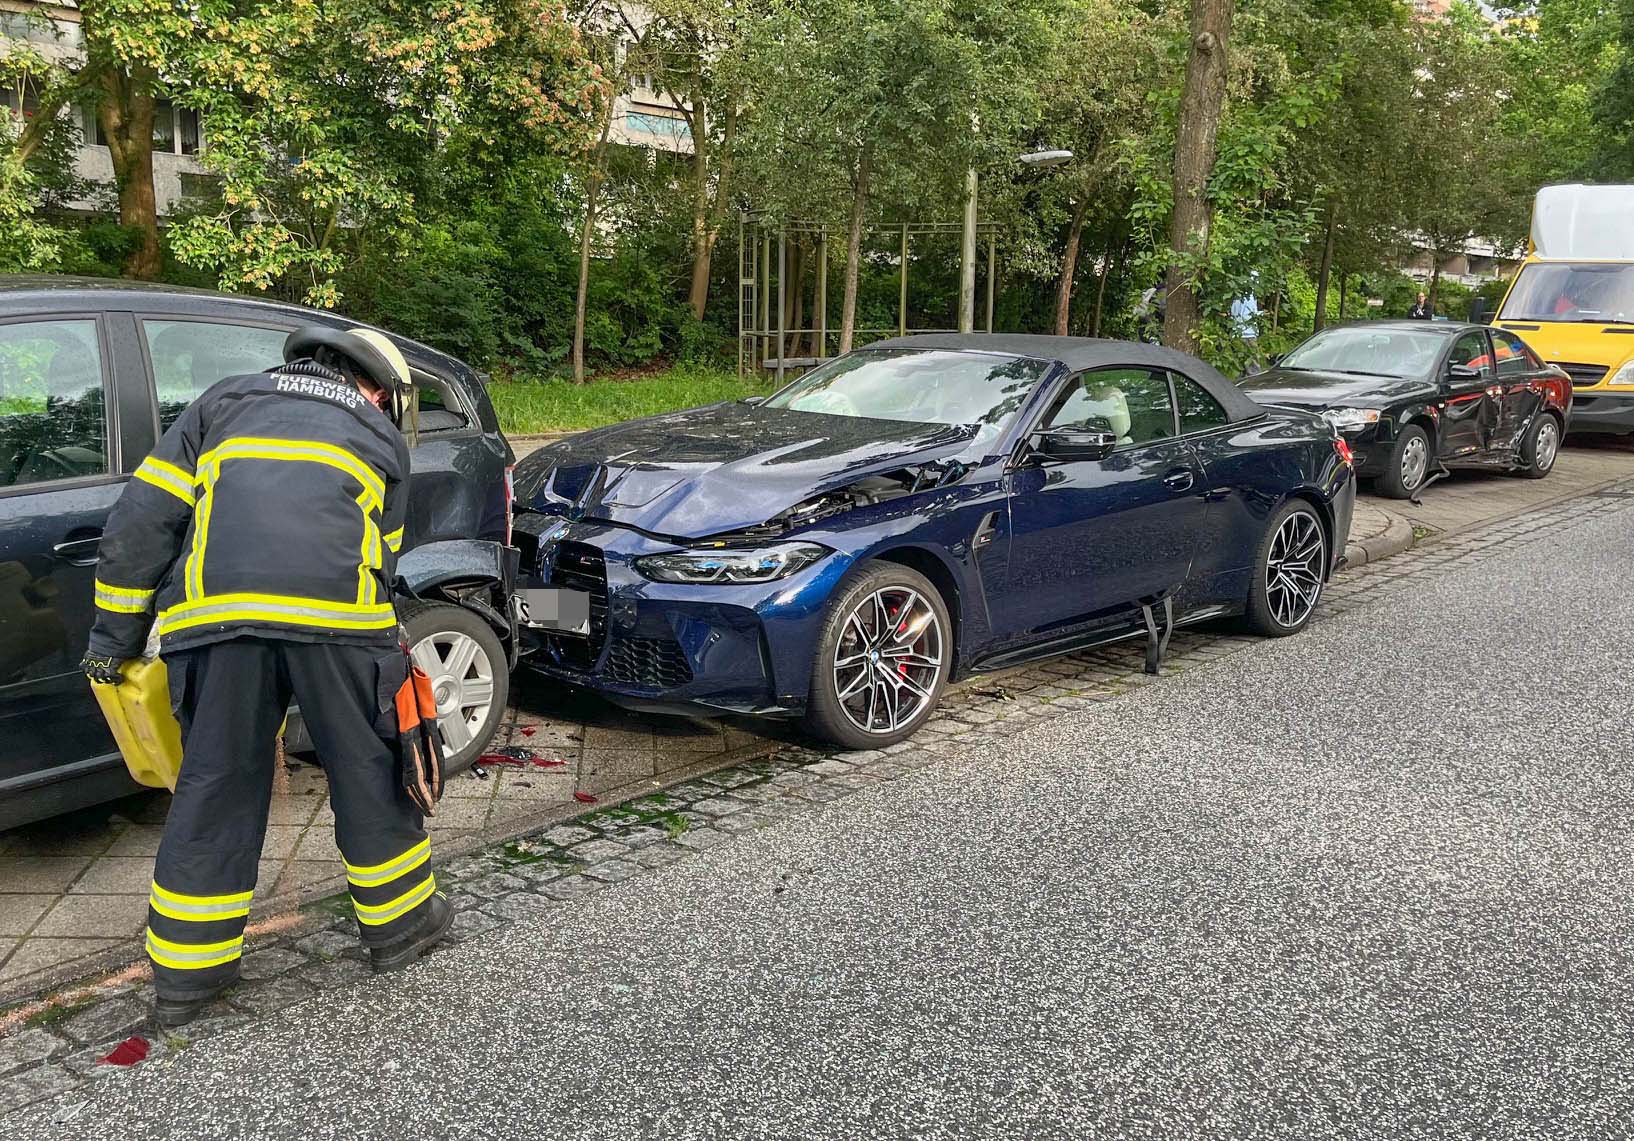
(73, 891)
(528, 877)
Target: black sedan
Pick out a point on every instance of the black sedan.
(1414, 398)
(919, 510)
(91, 372)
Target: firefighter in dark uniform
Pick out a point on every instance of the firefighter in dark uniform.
(260, 538)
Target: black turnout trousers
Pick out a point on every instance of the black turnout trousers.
(231, 697)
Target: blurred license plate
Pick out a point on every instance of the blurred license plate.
(550, 608)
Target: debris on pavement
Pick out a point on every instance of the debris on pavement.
(132, 1050)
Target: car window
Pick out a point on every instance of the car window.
(1368, 350)
(439, 410)
(1131, 403)
(1198, 410)
(53, 417)
(189, 356)
(1512, 355)
(923, 386)
(1470, 350)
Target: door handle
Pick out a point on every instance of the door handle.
(1180, 479)
(80, 552)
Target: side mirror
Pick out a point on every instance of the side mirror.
(1275, 359)
(751, 400)
(1064, 444)
(1463, 372)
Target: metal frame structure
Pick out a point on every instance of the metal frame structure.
(762, 283)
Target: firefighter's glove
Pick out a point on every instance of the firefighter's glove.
(102, 668)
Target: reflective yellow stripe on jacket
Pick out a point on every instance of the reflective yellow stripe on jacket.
(122, 599)
(166, 477)
(366, 612)
(230, 608)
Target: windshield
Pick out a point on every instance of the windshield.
(1556, 291)
(1368, 351)
(921, 386)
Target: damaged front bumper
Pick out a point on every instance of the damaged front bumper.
(671, 647)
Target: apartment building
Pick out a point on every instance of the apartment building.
(52, 27)
(644, 117)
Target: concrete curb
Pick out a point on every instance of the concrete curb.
(1396, 538)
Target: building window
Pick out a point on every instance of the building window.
(22, 99)
(175, 129)
(673, 129)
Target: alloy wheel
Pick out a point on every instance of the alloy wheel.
(888, 660)
(462, 681)
(1293, 569)
(1415, 461)
(1548, 445)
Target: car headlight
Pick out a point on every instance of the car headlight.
(728, 565)
(1351, 419)
(1624, 375)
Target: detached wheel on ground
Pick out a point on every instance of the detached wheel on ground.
(465, 661)
(1408, 464)
(1541, 447)
(1288, 575)
(883, 658)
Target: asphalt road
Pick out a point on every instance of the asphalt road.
(1375, 881)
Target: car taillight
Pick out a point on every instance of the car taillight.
(510, 501)
(1342, 447)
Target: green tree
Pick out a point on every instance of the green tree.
(330, 125)
(1449, 139)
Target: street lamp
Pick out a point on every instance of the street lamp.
(1038, 160)
(1044, 160)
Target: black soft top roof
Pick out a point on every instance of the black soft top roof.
(1079, 353)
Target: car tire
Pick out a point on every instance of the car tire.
(856, 629)
(466, 661)
(1408, 465)
(1541, 446)
(1287, 584)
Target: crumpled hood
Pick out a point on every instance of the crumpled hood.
(721, 468)
(1318, 390)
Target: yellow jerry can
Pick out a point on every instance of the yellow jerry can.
(138, 711)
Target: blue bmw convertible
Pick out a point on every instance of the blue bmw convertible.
(916, 511)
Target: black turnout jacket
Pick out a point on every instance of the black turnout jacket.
(274, 506)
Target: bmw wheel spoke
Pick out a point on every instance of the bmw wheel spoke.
(890, 660)
(1293, 569)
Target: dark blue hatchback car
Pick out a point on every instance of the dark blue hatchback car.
(921, 509)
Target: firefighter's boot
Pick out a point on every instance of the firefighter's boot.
(439, 917)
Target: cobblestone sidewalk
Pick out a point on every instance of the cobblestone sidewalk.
(52, 1050)
(73, 891)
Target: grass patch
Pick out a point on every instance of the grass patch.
(57, 1012)
(527, 406)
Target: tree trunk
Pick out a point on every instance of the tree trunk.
(1344, 283)
(1322, 275)
(853, 250)
(592, 186)
(1112, 269)
(126, 116)
(1202, 99)
(708, 210)
(1069, 266)
(793, 310)
(702, 243)
(1435, 278)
